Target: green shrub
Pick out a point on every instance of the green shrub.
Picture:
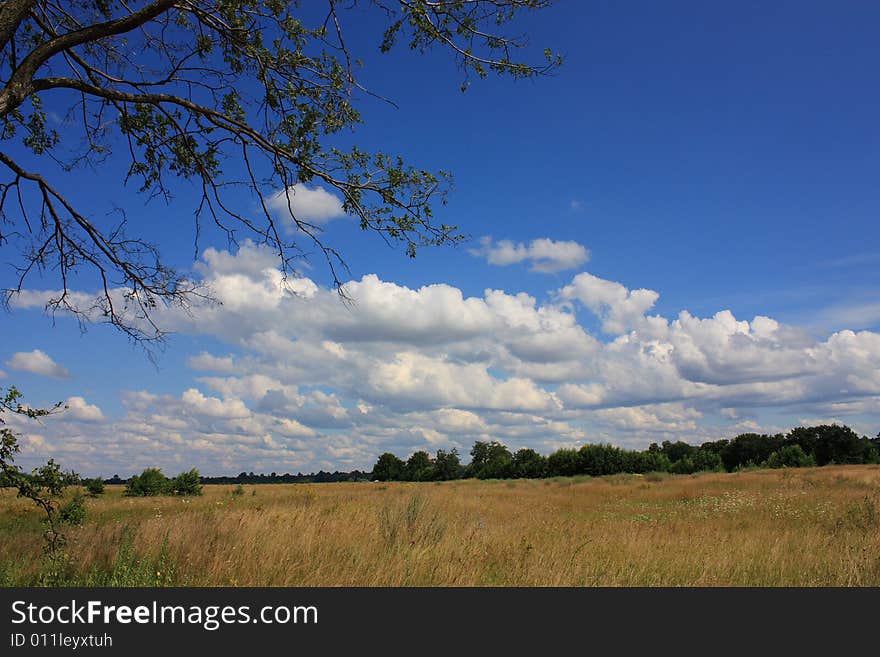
(94, 486)
(238, 491)
(187, 483)
(73, 512)
(791, 456)
(147, 484)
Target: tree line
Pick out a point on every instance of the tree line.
(319, 477)
(136, 481)
(801, 447)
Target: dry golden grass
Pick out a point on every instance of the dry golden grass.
(810, 527)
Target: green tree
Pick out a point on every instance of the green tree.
(94, 486)
(447, 465)
(419, 467)
(187, 483)
(528, 464)
(220, 94)
(832, 444)
(677, 450)
(706, 460)
(148, 483)
(563, 463)
(388, 468)
(44, 486)
(790, 456)
(490, 460)
(598, 460)
(750, 449)
(651, 461)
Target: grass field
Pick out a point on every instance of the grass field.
(805, 527)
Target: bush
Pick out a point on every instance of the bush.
(238, 491)
(147, 484)
(74, 511)
(791, 456)
(187, 483)
(94, 486)
(651, 462)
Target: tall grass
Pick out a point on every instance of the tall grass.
(805, 527)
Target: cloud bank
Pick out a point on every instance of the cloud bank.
(306, 382)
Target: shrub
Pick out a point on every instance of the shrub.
(73, 512)
(791, 456)
(147, 484)
(238, 491)
(94, 486)
(187, 483)
(684, 465)
(651, 462)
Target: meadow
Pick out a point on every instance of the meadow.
(787, 527)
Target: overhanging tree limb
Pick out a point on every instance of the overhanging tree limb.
(184, 89)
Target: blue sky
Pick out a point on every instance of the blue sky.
(724, 157)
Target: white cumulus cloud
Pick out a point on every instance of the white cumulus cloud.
(314, 205)
(543, 254)
(37, 362)
(79, 409)
(302, 381)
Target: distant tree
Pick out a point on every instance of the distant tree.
(677, 450)
(149, 483)
(419, 467)
(790, 456)
(187, 483)
(490, 460)
(563, 463)
(717, 447)
(750, 449)
(707, 461)
(528, 464)
(447, 465)
(651, 461)
(388, 468)
(832, 444)
(682, 466)
(598, 460)
(94, 486)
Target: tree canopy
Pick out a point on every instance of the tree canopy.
(228, 95)
(801, 447)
